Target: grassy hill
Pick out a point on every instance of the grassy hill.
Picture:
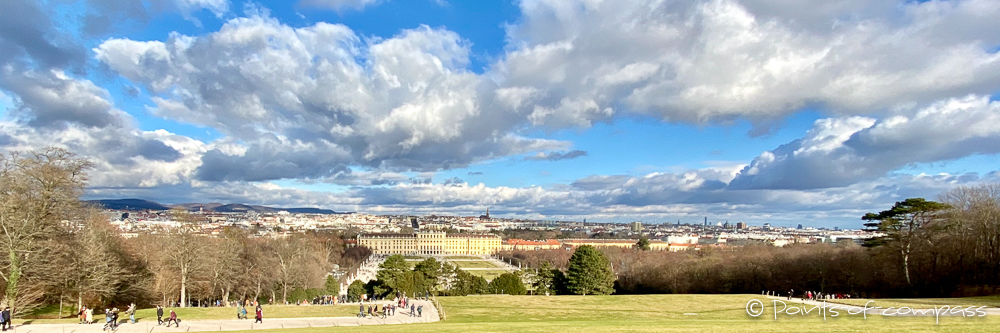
(626, 313)
(653, 313)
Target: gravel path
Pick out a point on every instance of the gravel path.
(430, 314)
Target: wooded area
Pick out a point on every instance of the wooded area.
(57, 251)
(948, 248)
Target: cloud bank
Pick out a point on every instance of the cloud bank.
(900, 83)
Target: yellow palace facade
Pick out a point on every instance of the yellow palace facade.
(431, 243)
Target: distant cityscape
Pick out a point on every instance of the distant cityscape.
(212, 219)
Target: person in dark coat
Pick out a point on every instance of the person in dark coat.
(159, 315)
(6, 319)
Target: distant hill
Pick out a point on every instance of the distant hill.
(139, 204)
(128, 204)
(194, 207)
(241, 208)
(309, 211)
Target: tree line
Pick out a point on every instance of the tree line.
(944, 248)
(588, 273)
(58, 251)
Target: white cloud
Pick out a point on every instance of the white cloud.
(715, 60)
(843, 151)
(322, 104)
(406, 102)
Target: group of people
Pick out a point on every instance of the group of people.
(389, 309)
(241, 313)
(814, 296)
(172, 319)
(86, 316)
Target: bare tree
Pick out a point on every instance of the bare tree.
(38, 192)
(184, 252)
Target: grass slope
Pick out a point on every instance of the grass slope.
(652, 313)
(926, 303)
(474, 264)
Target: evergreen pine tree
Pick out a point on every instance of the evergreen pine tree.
(589, 272)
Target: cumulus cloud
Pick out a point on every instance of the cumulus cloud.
(402, 103)
(103, 16)
(556, 156)
(48, 105)
(719, 60)
(842, 151)
(321, 104)
(54, 100)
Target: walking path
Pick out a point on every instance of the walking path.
(430, 314)
(503, 264)
(878, 311)
(366, 272)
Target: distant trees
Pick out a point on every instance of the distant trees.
(589, 272)
(544, 280)
(466, 283)
(507, 283)
(642, 244)
(355, 290)
(332, 286)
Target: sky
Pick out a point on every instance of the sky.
(764, 111)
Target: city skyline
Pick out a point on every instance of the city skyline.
(609, 111)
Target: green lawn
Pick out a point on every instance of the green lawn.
(463, 258)
(628, 313)
(489, 275)
(473, 264)
(926, 303)
(652, 313)
(270, 311)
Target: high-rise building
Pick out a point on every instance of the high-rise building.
(635, 226)
(741, 225)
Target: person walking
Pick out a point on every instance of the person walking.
(3, 322)
(242, 313)
(114, 318)
(259, 315)
(107, 318)
(6, 319)
(420, 311)
(159, 315)
(131, 312)
(173, 319)
(413, 310)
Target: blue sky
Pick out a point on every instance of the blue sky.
(548, 109)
